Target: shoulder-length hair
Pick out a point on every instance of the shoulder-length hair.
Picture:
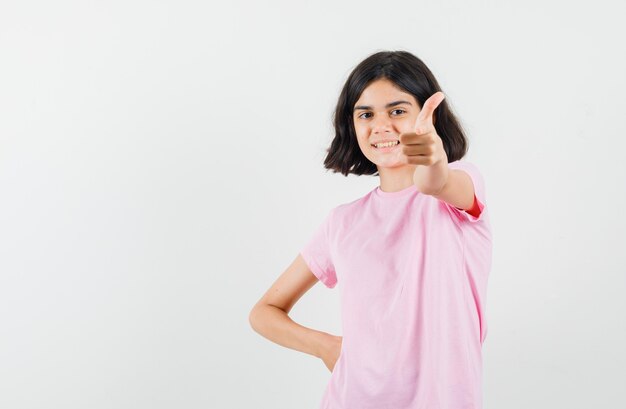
(411, 75)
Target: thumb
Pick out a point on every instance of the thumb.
(425, 117)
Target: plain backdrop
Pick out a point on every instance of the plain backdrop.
(161, 165)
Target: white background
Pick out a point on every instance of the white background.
(161, 165)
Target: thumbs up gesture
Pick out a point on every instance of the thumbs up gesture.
(423, 146)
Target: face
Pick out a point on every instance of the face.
(382, 113)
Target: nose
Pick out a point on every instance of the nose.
(381, 124)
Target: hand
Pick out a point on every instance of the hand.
(423, 146)
(330, 351)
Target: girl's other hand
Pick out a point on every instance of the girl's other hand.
(330, 351)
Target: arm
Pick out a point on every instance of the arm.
(269, 317)
(453, 186)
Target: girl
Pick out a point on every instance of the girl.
(411, 257)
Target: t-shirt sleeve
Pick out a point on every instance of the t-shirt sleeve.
(317, 255)
(480, 200)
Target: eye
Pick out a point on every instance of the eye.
(367, 113)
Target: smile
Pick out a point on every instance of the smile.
(386, 145)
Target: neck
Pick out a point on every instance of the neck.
(397, 178)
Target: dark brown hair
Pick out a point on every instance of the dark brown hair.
(412, 76)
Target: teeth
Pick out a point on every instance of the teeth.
(386, 144)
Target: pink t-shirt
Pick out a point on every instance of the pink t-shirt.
(412, 273)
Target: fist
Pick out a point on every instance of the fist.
(331, 349)
(423, 146)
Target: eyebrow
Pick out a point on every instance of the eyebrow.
(389, 105)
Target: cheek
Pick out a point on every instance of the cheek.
(362, 141)
(403, 127)
(409, 123)
(361, 132)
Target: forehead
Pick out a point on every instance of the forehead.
(382, 91)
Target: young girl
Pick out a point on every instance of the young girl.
(411, 257)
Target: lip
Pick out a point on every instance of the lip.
(387, 149)
(384, 140)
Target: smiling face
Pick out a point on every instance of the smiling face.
(382, 113)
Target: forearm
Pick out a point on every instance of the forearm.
(431, 179)
(276, 325)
